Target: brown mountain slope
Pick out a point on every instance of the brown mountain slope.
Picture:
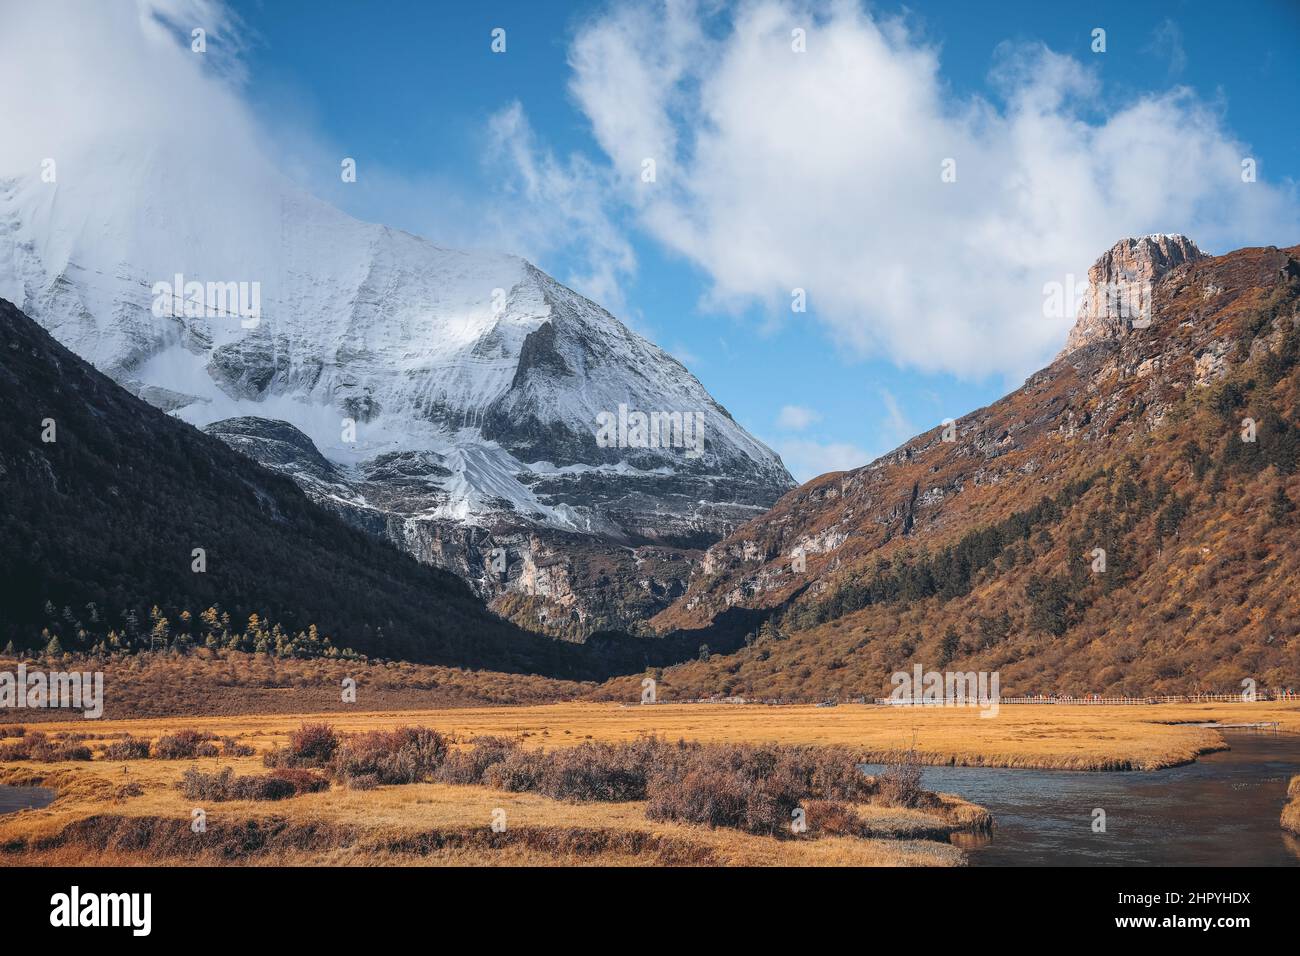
(978, 552)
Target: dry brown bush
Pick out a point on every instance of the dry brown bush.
(224, 785)
(404, 755)
(900, 783)
(182, 745)
(128, 748)
(469, 765)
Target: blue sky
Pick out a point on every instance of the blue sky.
(414, 93)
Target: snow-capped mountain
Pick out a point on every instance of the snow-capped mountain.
(442, 397)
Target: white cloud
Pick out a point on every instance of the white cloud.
(76, 75)
(821, 170)
(116, 88)
(807, 459)
(552, 205)
(795, 418)
(898, 427)
(775, 169)
(1167, 43)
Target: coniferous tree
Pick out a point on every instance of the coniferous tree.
(950, 646)
(1281, 506)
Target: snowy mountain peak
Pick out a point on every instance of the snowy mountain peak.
(372, 343)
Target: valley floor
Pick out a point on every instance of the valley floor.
(123, 812)
(96, 821)
(1043, 736)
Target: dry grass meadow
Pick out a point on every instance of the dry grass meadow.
(105, 816)
(122, 812)
(1021, 735)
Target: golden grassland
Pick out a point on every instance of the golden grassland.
(110, 812)
(129, 812)
(1043, 736)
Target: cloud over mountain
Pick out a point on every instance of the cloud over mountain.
(815, 161)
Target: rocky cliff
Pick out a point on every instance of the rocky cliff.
(1121, 286)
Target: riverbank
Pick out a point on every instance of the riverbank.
(1291, 812)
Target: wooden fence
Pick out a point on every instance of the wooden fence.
(1117, 701)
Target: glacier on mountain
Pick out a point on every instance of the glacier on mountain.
(424, 384)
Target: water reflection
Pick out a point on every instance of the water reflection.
(1222, 810)
(24, 798)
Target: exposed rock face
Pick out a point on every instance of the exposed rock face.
(1065, 416)
(574, 582)
(277, 445)
(1121, 285)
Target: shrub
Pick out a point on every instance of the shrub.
(601, 772)
(51, 751)
(899, 785)
(22, 750)
(827, 818)
(751, 788)
(10, 752)
(313, 745)
(230, 747)
(197, 785)
(405, 755)
(129, 748)
(224, 785)
(519, 772)
(268, 787)
(713, 797)
(590, 771)
(363, 781)
(755, 789)
(182, 745)
(302, 780)
(835, 774)
(468, 766)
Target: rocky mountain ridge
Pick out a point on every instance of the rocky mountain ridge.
(1136, 428)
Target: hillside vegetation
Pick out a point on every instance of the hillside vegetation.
(1123, 523)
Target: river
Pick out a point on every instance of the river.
(1221, 810)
